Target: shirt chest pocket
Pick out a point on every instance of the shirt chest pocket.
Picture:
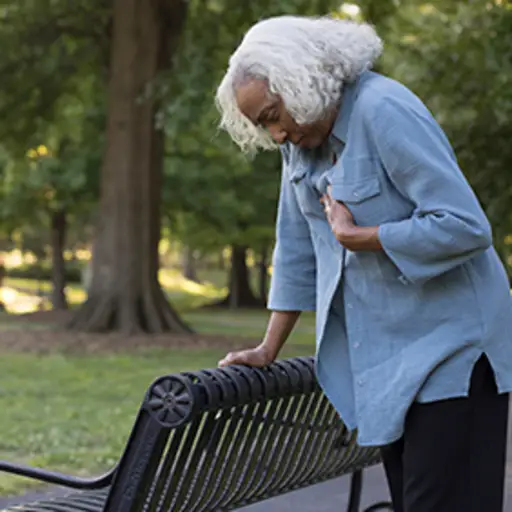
(361, 193)
(308, 197)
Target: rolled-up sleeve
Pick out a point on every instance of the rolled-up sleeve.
(293, 285)
(448, 226)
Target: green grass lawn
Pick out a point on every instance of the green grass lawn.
(74, 413)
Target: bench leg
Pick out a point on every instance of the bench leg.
(356, 490)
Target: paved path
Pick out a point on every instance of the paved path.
(327, 497)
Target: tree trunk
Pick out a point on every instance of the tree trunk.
(189, 265)
(125, 294)
(58, 239)
(240, 293)
(263, 273)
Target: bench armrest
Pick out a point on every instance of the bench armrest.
(53, 477)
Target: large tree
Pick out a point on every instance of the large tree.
(55, 45)
(125, 293)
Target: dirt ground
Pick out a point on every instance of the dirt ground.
(44, 333)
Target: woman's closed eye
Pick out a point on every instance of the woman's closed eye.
(269, 117)
(272, 116)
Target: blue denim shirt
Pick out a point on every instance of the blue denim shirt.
(407, 323)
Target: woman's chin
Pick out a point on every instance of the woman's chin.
(310, 142)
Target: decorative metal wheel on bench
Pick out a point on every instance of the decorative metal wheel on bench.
(218, 440)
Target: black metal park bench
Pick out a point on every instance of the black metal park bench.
(218, 440)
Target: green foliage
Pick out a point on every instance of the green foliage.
(47, 181)
(221, 204)
(48, 47)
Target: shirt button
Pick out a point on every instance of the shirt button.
(360, 382)
(356, 194)
(357, 344)
(349, 306)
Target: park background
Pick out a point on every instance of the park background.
(109, 147)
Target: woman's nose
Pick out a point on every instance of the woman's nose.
(278, 134)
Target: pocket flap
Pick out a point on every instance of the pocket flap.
(297, 173)
(357, 191)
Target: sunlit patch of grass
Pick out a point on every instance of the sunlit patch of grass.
(28, 284)
(75, 294)
(27, 295)
(173, 281)
(18, 302)
(44, 287)
(185, 294)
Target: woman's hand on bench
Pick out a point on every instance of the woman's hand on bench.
(280, 325)
(258, 357)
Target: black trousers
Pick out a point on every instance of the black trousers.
(452, 455)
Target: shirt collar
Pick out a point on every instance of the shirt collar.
(350, 94)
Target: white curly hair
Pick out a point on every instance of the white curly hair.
(304, 60)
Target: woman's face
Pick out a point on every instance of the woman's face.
(265, 109)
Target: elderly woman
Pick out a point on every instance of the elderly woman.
(381, 234)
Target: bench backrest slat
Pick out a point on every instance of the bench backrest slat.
(220, 439)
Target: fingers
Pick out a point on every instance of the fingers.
(326, 201)
(227, 360)
(233, 358)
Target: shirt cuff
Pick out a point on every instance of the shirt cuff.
(291, 299)
(387, 237)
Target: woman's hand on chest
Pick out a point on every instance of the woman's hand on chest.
(348, 234)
